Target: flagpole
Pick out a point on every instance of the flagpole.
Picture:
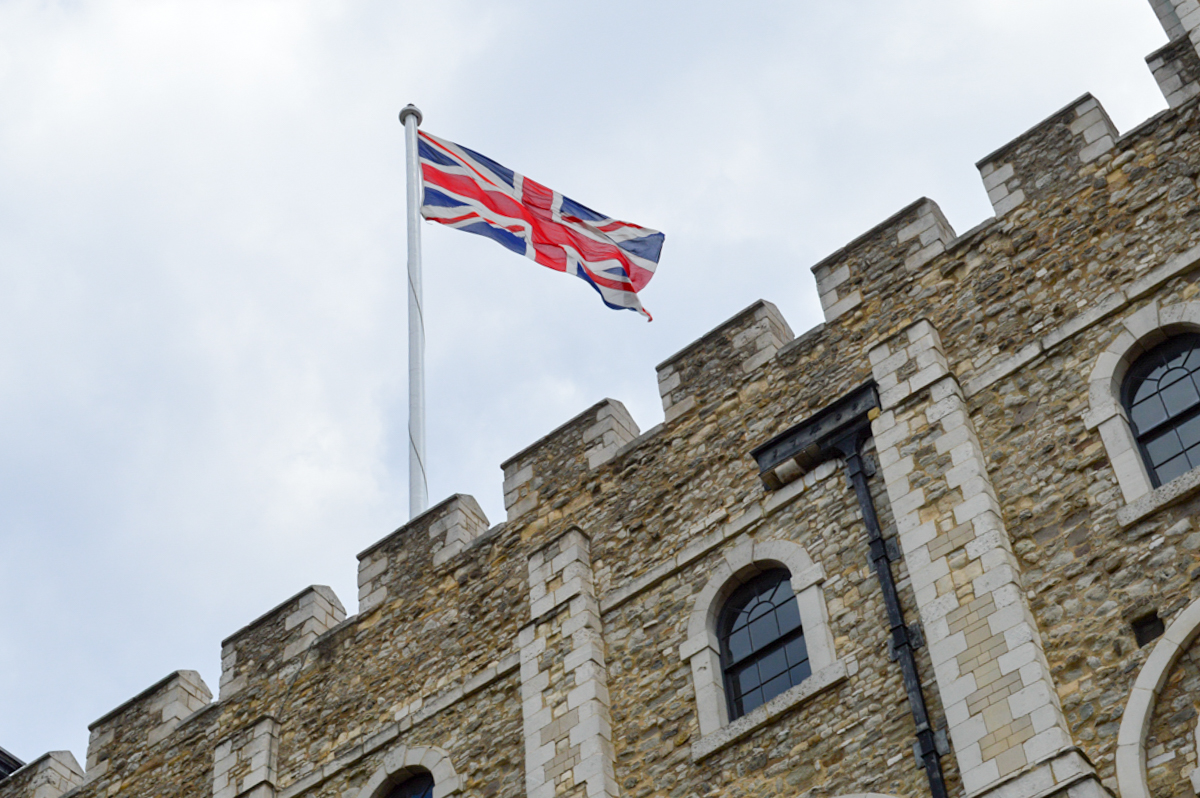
(418, 486)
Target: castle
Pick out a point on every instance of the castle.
(941, 544)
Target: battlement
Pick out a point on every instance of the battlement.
(1044, 162)
(449, 526)
(875, 261)
(707, 367)
(537, 472)
(1176, 69)
(258, 651)
(144, 720)
(48, 776)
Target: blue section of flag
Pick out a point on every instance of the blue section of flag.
(649, 247)
(430, 153)
(513, 242)
(583, 275)
(435, 197)
(580, 211)
(503, 172)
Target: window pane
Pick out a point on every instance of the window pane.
(1189, 432)
(759, 609)
(775, 687)
(1171, 377)
(801, 672)
(747, 678)
(772, 664)
(738, 645)
(764, 631)
(1148, 414)
(1171, 469)
(1163, 447)
(1180, 396)
(788, 616)
(1147, 389)
(782, 592)
(797, 651)
(751, 701)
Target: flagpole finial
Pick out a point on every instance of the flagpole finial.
(411, 110)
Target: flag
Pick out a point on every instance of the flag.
(468, 191)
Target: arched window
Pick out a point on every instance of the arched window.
(418, 786)
(1161, 395)
(762, 642)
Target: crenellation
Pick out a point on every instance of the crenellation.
(1046, 160)
(561, 458)
(1176, 69)
(614, 428)
(859, 271)
(704, 370)
(49, 776)
(258, 652)
(143, 721)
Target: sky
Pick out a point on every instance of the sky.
(203, 358)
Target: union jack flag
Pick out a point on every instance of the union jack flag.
(471, 192)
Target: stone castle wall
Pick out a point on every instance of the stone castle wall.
(565, 652)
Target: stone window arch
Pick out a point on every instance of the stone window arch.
(411, 766)
(1141, 334)
(703, 647)
(1135, 720)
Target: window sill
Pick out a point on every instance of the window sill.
(729, 734)
(1182, 487)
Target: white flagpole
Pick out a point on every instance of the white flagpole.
(418, 486)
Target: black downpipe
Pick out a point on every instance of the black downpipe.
(850, 448)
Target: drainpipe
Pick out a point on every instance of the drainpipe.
(840, 430)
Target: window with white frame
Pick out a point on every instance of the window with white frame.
(758, 638)
(762, 642)
(1161, 396)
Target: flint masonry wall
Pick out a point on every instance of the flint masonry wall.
(557, 653)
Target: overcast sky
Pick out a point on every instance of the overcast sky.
(202, 312)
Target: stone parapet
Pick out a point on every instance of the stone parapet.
(1180, 19)
(48, 776)
(867, 265)
(561, 458)
(258, 651)
(448, 528)
(1176, 69)
(144, 720)
(703, 371)
(1044, 162)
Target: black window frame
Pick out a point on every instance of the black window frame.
(750, 594)
(1139, 373)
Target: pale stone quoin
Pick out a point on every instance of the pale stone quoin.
(995, 571)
